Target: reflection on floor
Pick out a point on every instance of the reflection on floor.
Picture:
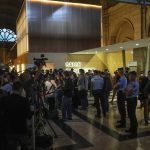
(85, 132)
(108, 124)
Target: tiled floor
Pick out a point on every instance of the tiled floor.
(85, 132)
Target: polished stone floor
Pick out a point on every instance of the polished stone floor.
(85, 132)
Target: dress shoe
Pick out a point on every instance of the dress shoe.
(146, 123)
(133, 135)
(121, 126)
(128, 131)
(119, 121)
(98, 116)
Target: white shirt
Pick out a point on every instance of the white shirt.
(50, 87)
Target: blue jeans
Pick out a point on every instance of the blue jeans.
(59, 96)
(67, 107)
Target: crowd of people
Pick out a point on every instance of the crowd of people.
(67, 90)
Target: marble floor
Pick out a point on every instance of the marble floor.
(85, 132)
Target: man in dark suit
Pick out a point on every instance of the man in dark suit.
(14, 111)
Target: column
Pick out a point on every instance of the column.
(147, 66)
(124, 58)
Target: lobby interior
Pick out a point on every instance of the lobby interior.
(99, 34)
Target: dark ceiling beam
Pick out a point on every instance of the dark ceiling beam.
(94, 2)
(12, 2)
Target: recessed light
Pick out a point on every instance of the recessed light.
(121, 47)
(137, 44)
(107, 49)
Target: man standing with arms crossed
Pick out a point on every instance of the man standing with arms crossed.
(121, 86)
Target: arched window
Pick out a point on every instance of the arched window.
(7, 35)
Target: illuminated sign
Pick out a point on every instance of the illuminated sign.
(73, 64)
(132, 63)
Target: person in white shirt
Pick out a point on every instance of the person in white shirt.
(50, 86)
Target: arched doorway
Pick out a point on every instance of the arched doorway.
(125, 32)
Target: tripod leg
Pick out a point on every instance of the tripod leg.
(55, 135)
(33, 133)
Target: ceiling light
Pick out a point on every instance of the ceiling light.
(121, 47)
(107, 49)
(137, 44)
(66, 3)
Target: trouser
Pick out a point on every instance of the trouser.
(83, 98)
(146, 109)
(107, 93)
(51, 103)
(67, 107)
(2, 142)
(121, 106)
(99, 97)
(141, 98)
(75, 99)
(59, 96)
(131, 108)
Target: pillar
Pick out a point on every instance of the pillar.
(124, 58)
(147, 66)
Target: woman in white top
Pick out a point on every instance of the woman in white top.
(50, 86)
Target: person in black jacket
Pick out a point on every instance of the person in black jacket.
(67, 97)
(147, 103)
(14, 112)
(142, 82)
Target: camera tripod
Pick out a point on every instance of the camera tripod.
(39, 119)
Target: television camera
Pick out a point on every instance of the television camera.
(40, 61)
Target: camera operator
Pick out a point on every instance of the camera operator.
(15, 110)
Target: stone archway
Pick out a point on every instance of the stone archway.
(123, 32)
